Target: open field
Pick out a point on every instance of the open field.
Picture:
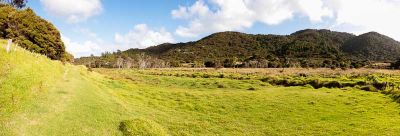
(243, 107)
(279, 71)
(44, 97)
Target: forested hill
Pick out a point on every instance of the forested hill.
(32, 32)
(305, 48)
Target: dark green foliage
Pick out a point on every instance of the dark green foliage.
(252, 89)
(19, 3)
(395, 65)
(369, 88)
(372, 85)
(230, 62)
(380, 85)
(333, 84)
(15, 3)
(209, 64)
(67, 57)
(175, 64)
(32, 32)
(373, 46)
(220, 85)
(306, 48)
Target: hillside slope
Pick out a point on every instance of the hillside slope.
(373, 46)
(39, 96)
(24, 75)
(307, 43)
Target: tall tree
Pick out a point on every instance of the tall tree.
(15, 3)
(19, 3)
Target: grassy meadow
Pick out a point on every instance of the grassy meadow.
(44, 97)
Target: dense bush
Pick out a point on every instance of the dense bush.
(32, 32)
(369, 88)
(395, 65)
(373, 46)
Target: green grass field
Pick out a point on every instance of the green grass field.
(44, 97)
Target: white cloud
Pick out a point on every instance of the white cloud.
(79, 49)
(355, 16)
(73, 11)
(141, 37)
(368, 15)
(315, 10)
(197, 8)
(241, 14)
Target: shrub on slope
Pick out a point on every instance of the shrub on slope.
(32, 32)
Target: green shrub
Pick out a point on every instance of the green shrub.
(205, 75)
(195, 75)
(332, 84)
(349, 84)
(380, 85)
(32, 32)
(302, 75)
(361, 83)
(316, 83)
(252, 88)
(220, 85)
(369, 88)
(297, 82)
(308, 86)
(141, 127)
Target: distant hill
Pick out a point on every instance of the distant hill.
(304, 48)
(373, 46)
(306, 43)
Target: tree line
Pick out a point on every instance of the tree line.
(142, 60)
(109, 60)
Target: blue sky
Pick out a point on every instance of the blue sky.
(94, 26)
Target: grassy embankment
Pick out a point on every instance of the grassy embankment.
(43, 97)
(23, 76)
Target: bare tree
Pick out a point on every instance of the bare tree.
(253, 63)
(128, 62)
(142, 61)
(263, 63)
(120, 62)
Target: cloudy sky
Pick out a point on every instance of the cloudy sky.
(94, 26)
